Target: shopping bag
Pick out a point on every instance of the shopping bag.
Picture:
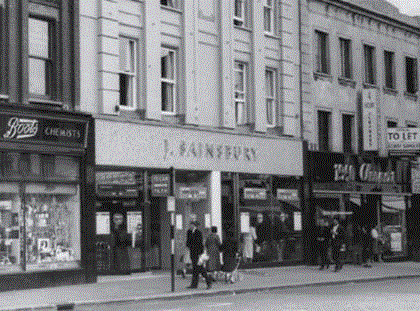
(202, 260)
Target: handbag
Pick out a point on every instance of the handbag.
(204, 257)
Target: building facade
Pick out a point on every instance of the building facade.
(46, 149)
(362, 68)
(205, 88)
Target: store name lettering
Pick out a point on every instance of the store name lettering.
(198, 150)
(19, 128)
(59, 132)
(346, 172)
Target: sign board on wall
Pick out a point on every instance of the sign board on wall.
(161, 185)
(403, 139)
(287, 194)
(255, 194)
(145, 145)
(370, 120)
(415, 180)
(197, 193)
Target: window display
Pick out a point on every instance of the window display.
(39, 222)
(393, 225)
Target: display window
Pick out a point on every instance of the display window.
(40, 213)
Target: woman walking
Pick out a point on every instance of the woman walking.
(212, 245)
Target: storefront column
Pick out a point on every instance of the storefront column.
(216, 200)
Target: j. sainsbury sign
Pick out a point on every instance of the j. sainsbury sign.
(403, 138)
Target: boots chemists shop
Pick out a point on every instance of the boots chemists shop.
(46, 198)
(220, 179)
(363, 192)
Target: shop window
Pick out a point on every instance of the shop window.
(324, 128)
(389, 69)
(168, 79)
(270, 96)
(39, 220)
(128, 72)
(240, 92)
(322, 52)
(42, 57)
(348, 133)
(370, 64)
(411, 75)
(269, 16)
(346, 58)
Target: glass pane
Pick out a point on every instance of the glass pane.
(52, 226)
(267, 19)
(167, 63)
(60, 168)
(37, 76)
(270, 115)
(167, 97)
(10, 224)
(38, 38)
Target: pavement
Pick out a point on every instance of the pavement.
(157, 285)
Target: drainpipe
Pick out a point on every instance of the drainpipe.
(300, 67)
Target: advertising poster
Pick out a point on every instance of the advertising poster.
(103, 223)
(370, 120)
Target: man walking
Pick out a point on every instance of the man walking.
(337, 243)
(195, 244)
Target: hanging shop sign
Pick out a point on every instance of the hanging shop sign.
(370, 119)
(403, 139)
(196, 193)
(160, 185)
(16, 127)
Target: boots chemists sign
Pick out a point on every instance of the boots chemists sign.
(370, 120)
(403, 139)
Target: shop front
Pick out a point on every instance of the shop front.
(202, 170)
(364, 193)
(46, 206)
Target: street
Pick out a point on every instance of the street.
(400, 294)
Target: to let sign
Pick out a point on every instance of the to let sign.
(403, 138)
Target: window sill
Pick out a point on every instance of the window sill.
(322, 76)
(242, 27)
(346, 82)
(411, 96)
(4, 96)
(369, 86)
(46, 102)
(271, 35)
(389, 91)
(170, 8)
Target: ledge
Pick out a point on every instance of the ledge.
(411, 96)
(389, 91)
(322, 76)
(346, 82)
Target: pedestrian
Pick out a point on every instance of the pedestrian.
(367, 242)
(378, 242)
(337, 244)
(212, 246)
(120, 243)
(248, 244)
(323, 243)
(195, 244)
(230, 250)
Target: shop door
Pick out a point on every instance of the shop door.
(121, 249)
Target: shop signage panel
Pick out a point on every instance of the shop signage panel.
(403, 139)
(196, 193)
(161, 185)
(145, 145)
(415, 180)
(116, 183)
(255, 194)
(370, 119)
(42, 130)
(287, 194)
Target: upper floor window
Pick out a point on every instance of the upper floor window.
(411, 75)
(389, 69)
(239, 13)
(370, 64)
(169, 3)
(240, 92)
(3, 48)
(42, 57)
(168, 79)
(346, 58)
(269, 16)
(322, 52)
(128, 72)
(270, 96)
(348, 133)
(391, 124)
(324, 128)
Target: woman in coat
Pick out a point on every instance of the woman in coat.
(212, 245)
(229, 249)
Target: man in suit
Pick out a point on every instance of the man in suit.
(195, 244)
